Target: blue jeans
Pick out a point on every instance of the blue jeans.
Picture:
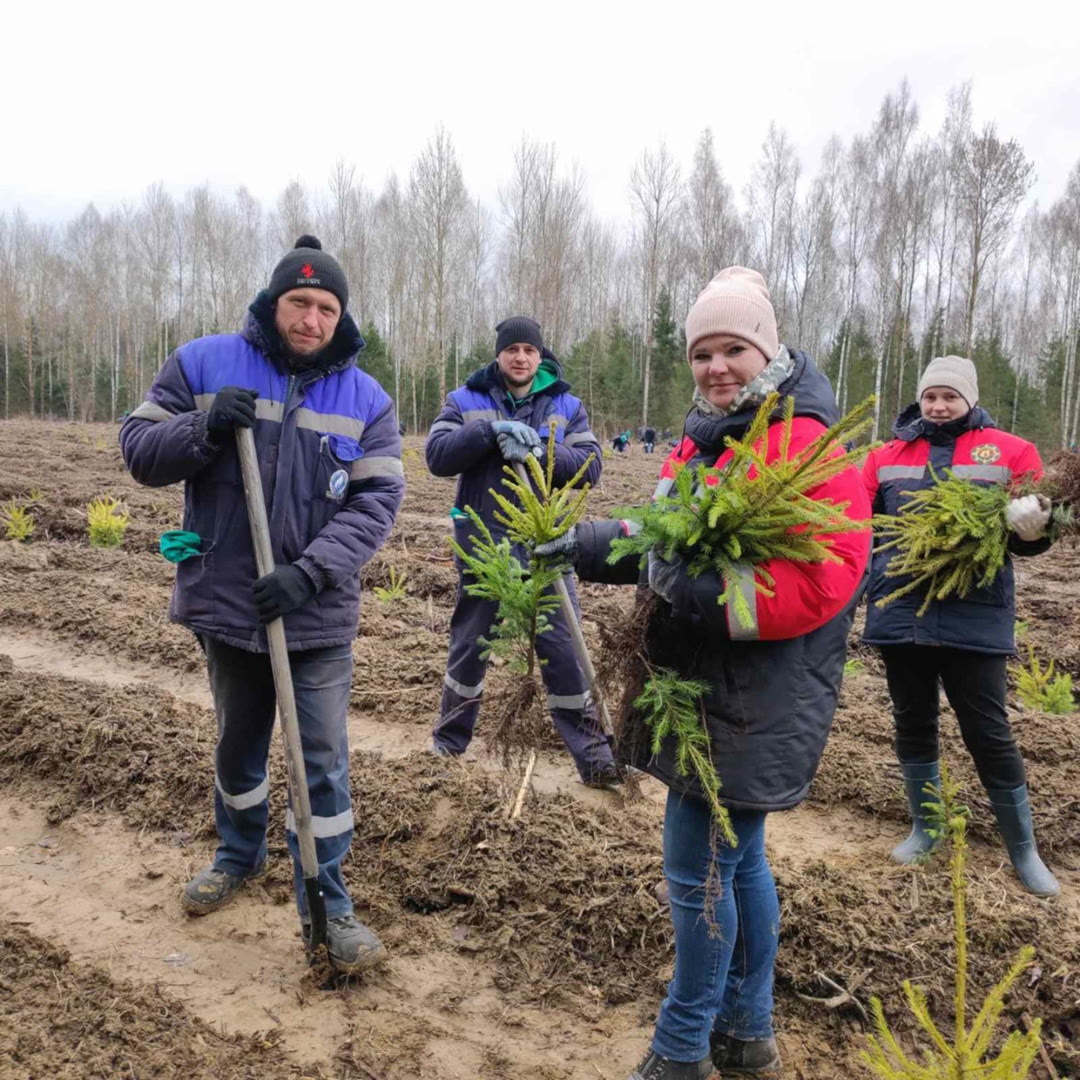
(246, 705)
(724, 979)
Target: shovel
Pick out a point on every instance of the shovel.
(299, 796)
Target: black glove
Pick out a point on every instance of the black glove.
(232, 408)
(286, 589)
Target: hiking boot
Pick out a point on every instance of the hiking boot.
(655, 1067)
(738, 1057)
(351, 945)
(211, 888)
(606, 778)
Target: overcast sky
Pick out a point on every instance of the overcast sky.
(102, 99)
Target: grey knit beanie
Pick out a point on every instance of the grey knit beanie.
(957, 373)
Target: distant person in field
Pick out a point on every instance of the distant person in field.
(621, 442)
(771, 689)
(327, 440)
(503, 413)
(649, 439)
(963, 642)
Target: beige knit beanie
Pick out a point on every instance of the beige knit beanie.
(955, 372)
(735, 302)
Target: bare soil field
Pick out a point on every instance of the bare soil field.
(533, 949)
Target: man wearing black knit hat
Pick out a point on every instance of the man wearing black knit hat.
(329, 451)
(503, 413)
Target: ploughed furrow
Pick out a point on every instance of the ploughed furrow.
(66, 1021)
(560, 907)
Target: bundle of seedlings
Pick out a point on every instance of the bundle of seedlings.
(968, 1053)
(533, 510)
(741, 515)
(949, 539)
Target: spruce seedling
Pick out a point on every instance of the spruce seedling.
(672, 708)
(965, 1057)
(107, 521)
(396, 590)
(17, 520)
(522, 593)
(1042, 688)
(949, 539)
(751, 510)
(539, 511)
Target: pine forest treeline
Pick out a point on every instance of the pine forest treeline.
(904, 244)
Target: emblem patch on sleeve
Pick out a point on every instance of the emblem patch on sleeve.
(339, 481)
(986, 453)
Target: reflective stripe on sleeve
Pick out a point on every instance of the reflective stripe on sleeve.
(481, 414)
(579, 437)
(443, 425)
(366, 467)
(247, 799)
(323, 828)
(148, 410)
(265, 408)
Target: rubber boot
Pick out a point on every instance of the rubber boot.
(917, 774)
(1013, 813)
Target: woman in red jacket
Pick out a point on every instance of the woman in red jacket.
(962, 641)
(771, 694)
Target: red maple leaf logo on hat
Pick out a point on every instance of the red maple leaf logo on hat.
(307, 270)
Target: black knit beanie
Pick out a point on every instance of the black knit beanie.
(307, 266)
(519, 329)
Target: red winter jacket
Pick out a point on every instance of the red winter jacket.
(806, 595)
(771, 690)
(972, 448)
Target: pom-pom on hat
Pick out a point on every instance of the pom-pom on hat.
(735, 302)
(307, 266)
(957, 373)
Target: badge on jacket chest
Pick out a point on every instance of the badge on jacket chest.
(986, 454)
(339, 481)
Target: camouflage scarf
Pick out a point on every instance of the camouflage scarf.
(755, 391)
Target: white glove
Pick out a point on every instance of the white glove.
(1028, 516)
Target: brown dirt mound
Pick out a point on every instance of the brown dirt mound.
(859, 767)
(65, 1021)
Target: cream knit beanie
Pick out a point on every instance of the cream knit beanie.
(735, 302)
(955, 372)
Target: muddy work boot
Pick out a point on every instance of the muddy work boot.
(351, 945)
(734, 1058)
(655, 1067)
(211, 888)
(606, 778)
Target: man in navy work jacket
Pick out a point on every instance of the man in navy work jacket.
(503, 413)
(329, 453)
